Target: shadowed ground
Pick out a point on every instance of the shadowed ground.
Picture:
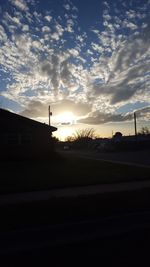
(68, 170)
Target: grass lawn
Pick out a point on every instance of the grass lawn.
(61, 210)
(47, 174)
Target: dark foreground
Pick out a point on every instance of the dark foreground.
(66, 170)
(115, 242)
(110, 229)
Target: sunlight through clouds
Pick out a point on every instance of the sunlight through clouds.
(50, 54)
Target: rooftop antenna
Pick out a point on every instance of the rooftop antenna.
(49, 115)
(135, 126)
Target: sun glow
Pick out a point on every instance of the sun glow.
(66, 118)
(64, 131)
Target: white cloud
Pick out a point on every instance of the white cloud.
(124, 72)
(45, 29)
(106, 16)
(37, 45)
(102, 73)
(9, 19)
(80, 38)
(70, 25)
(132, 14)
(25, 28)
(37, 108)
(59, 30)
(48, 18)
(67, 7)
(106, 117)
(38, 16)
(3, 35)
(89, 52)
(23, 42)
(97, 47)
(55, 36)
(103, 117)
(144, 113)
(144, 25)
(74, 8)
(130, 25)
(106, 4)
(20, 4)
(74, 52)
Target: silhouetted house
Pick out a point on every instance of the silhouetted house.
(21, 136)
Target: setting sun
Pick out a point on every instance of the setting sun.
(66, 118)
(63, 132)
(86, 60)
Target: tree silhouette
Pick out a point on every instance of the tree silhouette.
(144, 131)
(82, 137)
(117, 135)
(88, 133)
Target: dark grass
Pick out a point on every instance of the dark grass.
(61, 172)
(73, 209)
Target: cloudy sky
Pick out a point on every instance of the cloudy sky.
(89, 60)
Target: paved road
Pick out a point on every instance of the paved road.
(72, 232)
(134, 158)
(72, 192)
(120, 239)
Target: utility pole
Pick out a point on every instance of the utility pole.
(135, 127)
(49, 115)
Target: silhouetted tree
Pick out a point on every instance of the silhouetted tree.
(88, 133)
(117, 135)
(144, 131)
(55, 139)
(69, 139)
(82, 137)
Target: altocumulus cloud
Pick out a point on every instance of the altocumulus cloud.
(39, 109)
(100, 118)
(20, 4)
(92, 77)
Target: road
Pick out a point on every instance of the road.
(29, 197)
(117, 239)
(134, 158)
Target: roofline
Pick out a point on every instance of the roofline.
(52, 128)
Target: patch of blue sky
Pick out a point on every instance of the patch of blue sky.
(30, 93)
(5, 79)
(132, 107)
(13, 105)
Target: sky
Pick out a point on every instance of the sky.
(89, 60)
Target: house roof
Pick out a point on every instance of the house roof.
(5, 114)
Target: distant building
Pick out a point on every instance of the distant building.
(21, 136)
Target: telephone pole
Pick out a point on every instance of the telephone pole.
(49, 115)
(135, 127)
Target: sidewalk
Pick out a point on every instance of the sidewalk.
(29, 197)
